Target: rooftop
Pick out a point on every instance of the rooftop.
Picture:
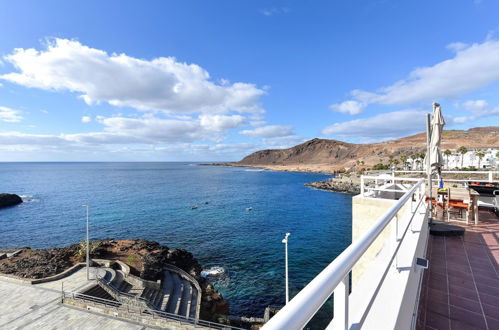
(461, 286)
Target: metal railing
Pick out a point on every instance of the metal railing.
(143, 312)
(121, 293)
(336, 276)
(490, 174)
(191, 279)
(379, 181)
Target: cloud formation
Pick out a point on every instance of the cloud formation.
(351, 107)
(385, 125)
(269, 131)
(473, 67)
(86, 119)
(478, 109)
(274, 11)
(10, 115)
(160, 84)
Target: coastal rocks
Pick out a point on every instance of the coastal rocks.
(39, 263)
(145, 258)
(346, 185)
(212, 302)
(9, 200)
(186, 261)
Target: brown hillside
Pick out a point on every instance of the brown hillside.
(332, 155)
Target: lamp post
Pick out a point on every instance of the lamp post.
(88, 247)
(285, 241)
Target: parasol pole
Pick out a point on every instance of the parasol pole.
(428, 169)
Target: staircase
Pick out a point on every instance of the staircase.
(178, 294)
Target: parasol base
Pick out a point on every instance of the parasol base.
(445, 229)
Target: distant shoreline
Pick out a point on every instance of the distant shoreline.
(309, 168)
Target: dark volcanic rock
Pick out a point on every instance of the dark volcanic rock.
(145, 258)
(351, 186)
(9, 200)
(39, 263)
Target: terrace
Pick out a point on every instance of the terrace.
(395, 275)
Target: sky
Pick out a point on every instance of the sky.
(217, 80)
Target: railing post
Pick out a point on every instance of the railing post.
(362, 185)
(490, 176)
(341, 303)
(395, 238)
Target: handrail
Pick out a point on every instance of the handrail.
(446, 171)
(192, 280)
(146, 312)
(298, 312)
(118, 292)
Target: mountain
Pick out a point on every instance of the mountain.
(323, 155)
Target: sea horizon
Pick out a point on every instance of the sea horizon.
(152, 200)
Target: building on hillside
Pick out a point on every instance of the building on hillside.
(490, 159)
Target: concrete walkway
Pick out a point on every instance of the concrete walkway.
(39, 307)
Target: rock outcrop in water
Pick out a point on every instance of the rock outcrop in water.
(145, 258)
(345, 184)
(9, 200)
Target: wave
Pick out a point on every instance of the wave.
(29, 198)
(254, 170)
(215, 271)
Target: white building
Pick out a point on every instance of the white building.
(490, 160)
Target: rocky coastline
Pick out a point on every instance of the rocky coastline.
(7, 200)
(145, 258)
(345, 184)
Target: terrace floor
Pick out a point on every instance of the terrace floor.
(460, 289)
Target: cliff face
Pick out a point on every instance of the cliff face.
(338, 155)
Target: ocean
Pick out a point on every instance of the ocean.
(241, 218)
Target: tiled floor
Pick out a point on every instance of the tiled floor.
(461, 286)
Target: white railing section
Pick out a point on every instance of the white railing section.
(373, 183)
(490, 174)
(336, 276)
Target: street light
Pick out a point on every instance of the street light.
(88, 246)
(285, 241)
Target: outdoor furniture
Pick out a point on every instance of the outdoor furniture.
(443, 199)
(461, 207)
(474, 204)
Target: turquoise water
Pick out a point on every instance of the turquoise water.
(153, 201)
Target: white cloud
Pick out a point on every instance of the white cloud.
(159, 84)
(457, 46)
(219, 123)
(10, 115)
(350, 107)
(385, 125)
(18, 138)
(283, 142)
(274, 11)
(478, 109)
(473, 67)
(269, 131)
(86, 119)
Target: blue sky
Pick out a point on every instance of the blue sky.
(216, 80)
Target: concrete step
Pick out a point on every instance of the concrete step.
(125, 287)
(167, 290)
(118, 279)
(185, 304)
(136, 290)
(156, 297)
(176, 297)
(98, 292)
(194, 303)
(110, 275)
